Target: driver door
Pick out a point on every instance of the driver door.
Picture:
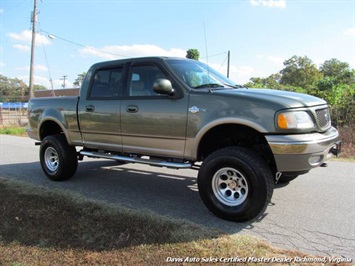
(152, 124)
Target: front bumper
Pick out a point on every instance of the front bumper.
(302, 152)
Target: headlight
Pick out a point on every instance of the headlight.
(294, 120)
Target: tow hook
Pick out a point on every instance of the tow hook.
(277, 177)
(336, 149)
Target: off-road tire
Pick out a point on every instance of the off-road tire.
(59, 161)
(235, 184)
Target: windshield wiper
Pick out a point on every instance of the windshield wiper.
(236, 86)
(209, 85)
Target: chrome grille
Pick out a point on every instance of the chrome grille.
(323, 118)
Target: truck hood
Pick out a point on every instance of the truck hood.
(285, 98)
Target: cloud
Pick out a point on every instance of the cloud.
(277, 60)
(239, 74)
(124, 51)
(26, 37)
(269, 3)
(22, 48)
(44, 81)
(349, 32)
(37, 67)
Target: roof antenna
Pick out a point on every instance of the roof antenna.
(208, 66)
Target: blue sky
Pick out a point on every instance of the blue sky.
(260, 34)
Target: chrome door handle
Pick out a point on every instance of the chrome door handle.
(132, 109)
(90, 108)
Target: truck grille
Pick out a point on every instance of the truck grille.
(323, 118)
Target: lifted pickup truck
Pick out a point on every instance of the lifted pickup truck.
(177, 113)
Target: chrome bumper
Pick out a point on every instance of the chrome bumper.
(302, 152)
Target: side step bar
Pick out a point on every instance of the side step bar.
(136, 160)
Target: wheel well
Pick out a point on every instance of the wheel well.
(49, 128)
(235, 135)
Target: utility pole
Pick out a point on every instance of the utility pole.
(34, 21)
(229, 56)
(64, 78)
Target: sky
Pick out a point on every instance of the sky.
(260, 34)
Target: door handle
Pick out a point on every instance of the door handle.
(90, 108)
(132, 109)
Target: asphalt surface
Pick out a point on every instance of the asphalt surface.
(314, 213)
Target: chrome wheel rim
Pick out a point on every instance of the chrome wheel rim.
(51, 159)
(230, 186)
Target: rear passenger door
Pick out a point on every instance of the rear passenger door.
(152, 124)
(99, 113)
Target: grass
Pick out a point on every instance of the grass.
(45, 227)
(13, 130)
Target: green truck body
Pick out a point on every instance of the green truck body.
(175, 112)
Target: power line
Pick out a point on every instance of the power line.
(64, 79)
(214, 55)
(51, 35)
(45, 56)
(223, 62)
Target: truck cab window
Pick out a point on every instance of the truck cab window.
(106, 83)
(142, 79)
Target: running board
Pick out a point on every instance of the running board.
(136, 160)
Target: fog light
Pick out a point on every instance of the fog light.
(314, 160)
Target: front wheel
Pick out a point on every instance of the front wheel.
(58, 160)
(235, 184)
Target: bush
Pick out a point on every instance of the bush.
(347, 135)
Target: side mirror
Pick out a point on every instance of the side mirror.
(163, 86)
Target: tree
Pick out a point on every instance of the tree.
(39, 87)
(12, 89)
(15, 90)
(334, 82)
(339, 71)
(193, 54)
(300, 72)
(79, 80)
(256, 82)
(337, 87)
(271, 82)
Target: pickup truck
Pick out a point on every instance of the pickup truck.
(180, 113)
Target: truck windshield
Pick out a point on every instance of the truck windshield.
(199, 75)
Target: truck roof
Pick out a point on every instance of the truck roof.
(133, 59)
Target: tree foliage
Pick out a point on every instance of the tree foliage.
(333, 81)
(79, 80)
(12, 89)
(15, 90)
(193, 54)
(300, 72)
(336, 69)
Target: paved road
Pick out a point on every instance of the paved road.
(315, 213)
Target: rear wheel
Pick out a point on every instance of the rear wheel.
(235, 184)
(58, 160)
